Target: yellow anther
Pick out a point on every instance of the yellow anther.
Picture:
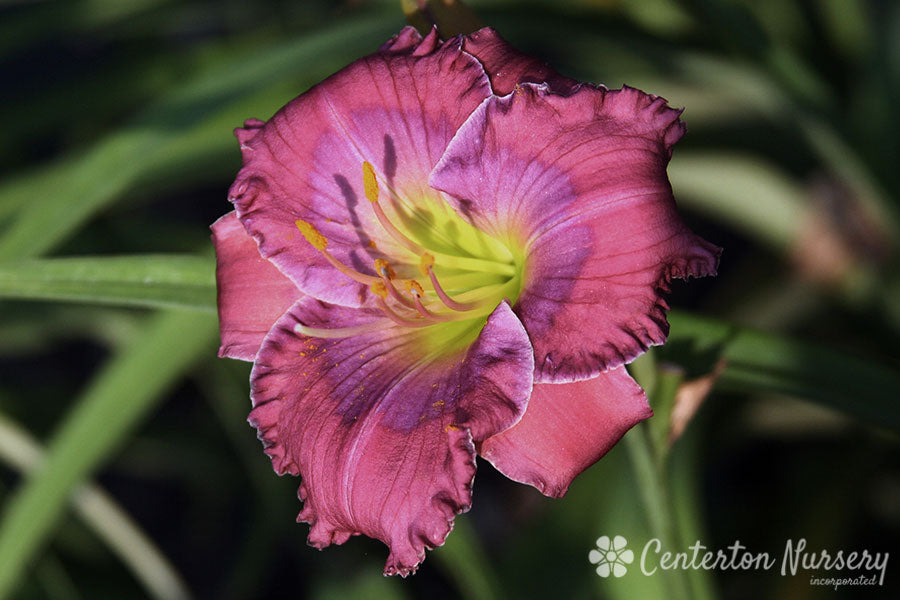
(378, 288)
(425, 263)
(383, 267)
(369, 182)
(414, 289)
(312, 235)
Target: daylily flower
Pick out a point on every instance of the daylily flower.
(446, 249)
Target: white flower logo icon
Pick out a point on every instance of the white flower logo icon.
(611, 557)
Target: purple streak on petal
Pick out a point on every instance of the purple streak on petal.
(382, 435)
(581, 182)
(506, 67)
(253, 293)
(397, 109)
(567, 428)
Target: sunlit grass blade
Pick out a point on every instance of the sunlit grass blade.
(108, 520)
(742, 191)
(181, 281)
(100, 419)
(765, 362)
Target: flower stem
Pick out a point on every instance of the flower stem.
(652, 483)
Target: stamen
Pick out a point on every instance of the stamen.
(379, 289)
(383, 268)
(312, 235)
(425, 263)
(320, 243)
(427, 313)
(400, 320)
(339, 332)
(427, 266)
(385, 288)
(370, 183)
(414, 289)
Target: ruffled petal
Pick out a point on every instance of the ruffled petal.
(409, 41)
(253, 293)
(580, 183)
(507, 67)
(381, 425)
(396, 109)
(567, 428)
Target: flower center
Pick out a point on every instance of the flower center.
(455, 274)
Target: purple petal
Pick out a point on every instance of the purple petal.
(580, 182)
(381, 425)
(567, 428)
(253, 294)
(396, 109)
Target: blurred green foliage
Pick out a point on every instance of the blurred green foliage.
(117, 156)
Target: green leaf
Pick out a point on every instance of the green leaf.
(181, 281)
(115, 402)
(745, 192)
(765, 362)
(107, 519)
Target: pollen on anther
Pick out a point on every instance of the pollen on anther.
(312, 235)
(378, 288)
(426, 262)
(370, 183)
(383, 267)
(413, 288)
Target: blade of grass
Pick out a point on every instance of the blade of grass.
(125, 390)
(108, 520)
(157, 281)
(743, 191)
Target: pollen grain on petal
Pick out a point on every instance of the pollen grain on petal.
(312, 235)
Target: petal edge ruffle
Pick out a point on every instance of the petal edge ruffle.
(593, 209)
(384, 443)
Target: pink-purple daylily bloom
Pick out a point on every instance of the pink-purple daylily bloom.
(446, 249)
